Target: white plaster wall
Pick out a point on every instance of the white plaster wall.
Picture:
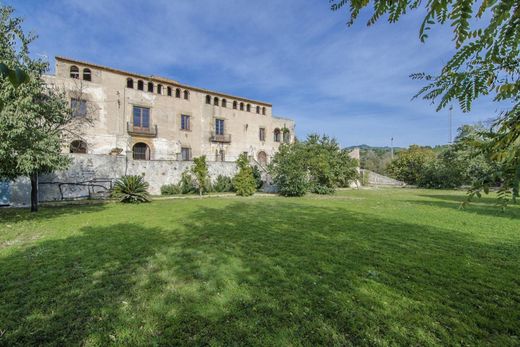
(92, 175)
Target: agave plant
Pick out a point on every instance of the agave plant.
(131, 189)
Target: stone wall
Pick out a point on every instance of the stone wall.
(92, 176)
(374, 179)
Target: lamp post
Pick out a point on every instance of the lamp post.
(392, 147)
(450, 122)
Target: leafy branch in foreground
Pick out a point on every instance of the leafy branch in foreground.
(486, 62)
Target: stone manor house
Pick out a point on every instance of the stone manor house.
(151, 126)
(155, 118)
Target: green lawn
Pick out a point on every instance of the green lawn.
(369, 267)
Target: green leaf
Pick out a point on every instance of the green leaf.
(4, 70)
(17, 77)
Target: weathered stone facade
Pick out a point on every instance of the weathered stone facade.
(220, 126)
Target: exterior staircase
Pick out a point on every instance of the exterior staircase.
(268, 186)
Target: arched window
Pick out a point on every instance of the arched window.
(74, 72)
(235, 105)
(208, 99)
(130, 83)
(159, 89)
(263, 111)
(150, 87)
(87, 74)
(258, 109)
(277, 134)
(215, 101)
(78, 146)
(141, 151)
(262, 158)
(248, 108)
(286, 136)
(177, 93)
(241, 106)
(224, 103)
(186, 95)
(140, 85)
(169, 91)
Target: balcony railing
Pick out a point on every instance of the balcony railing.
(226, 138)
(140, 131)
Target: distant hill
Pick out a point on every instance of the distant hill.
(382, 149)
(379, 148)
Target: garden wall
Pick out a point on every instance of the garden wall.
(92, 176)
(375, 179)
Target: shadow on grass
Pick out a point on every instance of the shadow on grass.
(265, 273)
(48, 212)
(51, 293)
(483, 206)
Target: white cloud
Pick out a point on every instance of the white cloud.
(349, 82)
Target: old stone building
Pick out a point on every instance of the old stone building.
(155, 118)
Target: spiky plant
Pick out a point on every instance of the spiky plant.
(131, 189)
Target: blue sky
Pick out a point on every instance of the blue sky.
(350, 83)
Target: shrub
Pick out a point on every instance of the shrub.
(322, 189)
(200, 170)
(186, 184)
(289, 171)
(410, 164)
(318, 164)
(223, 184)
(258, 177)
(171, 189)
(131, 189)
(244, 181)
(208, 186)
(347, 169)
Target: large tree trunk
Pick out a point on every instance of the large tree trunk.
(34, 192)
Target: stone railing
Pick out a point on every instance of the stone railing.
(140, 131)
(225, 138)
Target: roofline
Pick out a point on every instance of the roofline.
(283, 118)
(160, 79)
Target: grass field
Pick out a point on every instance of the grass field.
(369, 267)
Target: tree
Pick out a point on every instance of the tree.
(244, 181)
(444, 171)
(347, 169)
(375, 160)
(16, 76)
(486, 62)
(318, 165)
(449, 166)
(200, 170)
(409, 164)
(328, 166)
(289, 171)
(35, 120)
(474, 145)
(258, 177)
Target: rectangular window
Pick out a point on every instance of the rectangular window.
(261, 134)
(185, 122)
(141, 117)
(79, 107)
(219, 127)
(186, 153)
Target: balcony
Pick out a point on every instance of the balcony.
(139, 131)
(224, 138)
